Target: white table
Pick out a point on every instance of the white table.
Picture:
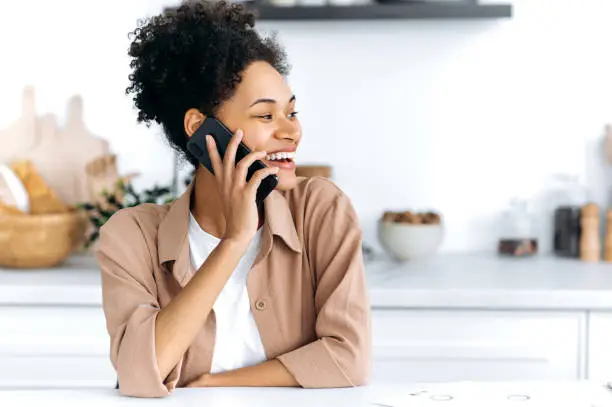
(528, 394)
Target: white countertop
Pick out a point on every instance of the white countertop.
(77, 282)
(443, 281)
(543, 394)
(490, 282)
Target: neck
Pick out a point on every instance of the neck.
(207, 206)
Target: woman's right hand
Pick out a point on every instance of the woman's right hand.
(238, 196)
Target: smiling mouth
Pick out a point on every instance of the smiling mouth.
(286, 157)
(281, 160)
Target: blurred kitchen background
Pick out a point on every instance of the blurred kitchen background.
(460, 130)
(454, 115)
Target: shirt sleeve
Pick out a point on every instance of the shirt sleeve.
(341, 356)
(129, 296)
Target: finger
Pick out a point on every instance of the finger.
(229, 161)
(243, 167)
(258, 177)
(215, 158)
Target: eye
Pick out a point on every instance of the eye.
(265, 116)
(293, 115)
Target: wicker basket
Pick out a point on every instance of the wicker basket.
(38, 241)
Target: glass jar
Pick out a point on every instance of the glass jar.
(570, 196)
(517, 236)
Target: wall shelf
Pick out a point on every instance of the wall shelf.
(395, 10)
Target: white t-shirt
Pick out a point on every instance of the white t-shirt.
(237, 340)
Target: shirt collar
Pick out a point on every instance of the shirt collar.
(172, 238)
(279, 220)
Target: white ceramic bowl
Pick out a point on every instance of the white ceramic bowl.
(406, 242)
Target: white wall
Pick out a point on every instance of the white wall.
(458, 116)
(63, 47)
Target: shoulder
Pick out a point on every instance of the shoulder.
(128, 240)
(315, 191)
(318, 197)
(145, 217)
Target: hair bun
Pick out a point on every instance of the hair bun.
(192, 56)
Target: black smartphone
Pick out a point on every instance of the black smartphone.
(222, 135)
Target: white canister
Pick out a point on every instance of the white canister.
(341, 3)
(312, 3)
(282, 3)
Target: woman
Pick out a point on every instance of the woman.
(211, 290)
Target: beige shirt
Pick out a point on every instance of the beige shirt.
(307, 290)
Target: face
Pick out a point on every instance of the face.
(263, 106)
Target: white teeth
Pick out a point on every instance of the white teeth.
(280, 156)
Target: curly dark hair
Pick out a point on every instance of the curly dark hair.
(192, 56)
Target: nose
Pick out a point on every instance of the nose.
(288, 130)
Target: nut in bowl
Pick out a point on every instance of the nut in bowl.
(410, 235)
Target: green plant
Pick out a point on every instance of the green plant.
(123, 197)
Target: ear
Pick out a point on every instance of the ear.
(193, 119)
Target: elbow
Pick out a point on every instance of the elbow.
(359, 380)
(133, 355)
(137, 372)
(133, 383)
(357, 360)
(358, 371)
(329, 363)
(138, 392)
(354, 364)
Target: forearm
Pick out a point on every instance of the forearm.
(178, 323)
(267, 374)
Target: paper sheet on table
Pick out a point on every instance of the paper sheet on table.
(471, 394)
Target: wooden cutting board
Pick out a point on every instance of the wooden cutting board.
(59, 152)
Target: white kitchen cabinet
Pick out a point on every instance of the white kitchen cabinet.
(431, 345)
(600, 346)
(472, 317)
(54, 346)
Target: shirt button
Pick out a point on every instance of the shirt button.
(260, 305)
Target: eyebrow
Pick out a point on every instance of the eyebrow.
(267, 100)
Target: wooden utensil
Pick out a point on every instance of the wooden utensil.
(590, 245)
